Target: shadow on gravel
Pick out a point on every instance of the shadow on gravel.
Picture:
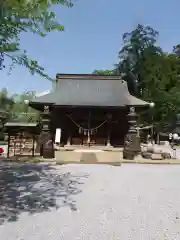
(35, 188)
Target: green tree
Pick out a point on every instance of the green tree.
(26, 16)
(6, 102)
(151, 74)
(21, 110)
(104, 72)
(161, 84)
(136, 44)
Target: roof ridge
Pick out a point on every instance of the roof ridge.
(88, 76)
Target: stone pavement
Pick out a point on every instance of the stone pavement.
(92, 202)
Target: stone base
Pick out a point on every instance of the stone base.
(48, 153)
(88, 157)
(166, 155)
(128, 155)
(132, 146)
(146, 155)
(156, 156)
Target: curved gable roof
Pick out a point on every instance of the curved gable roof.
(100, 91)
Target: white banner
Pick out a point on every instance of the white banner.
(58, 135)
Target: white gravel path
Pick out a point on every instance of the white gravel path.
(136, 202)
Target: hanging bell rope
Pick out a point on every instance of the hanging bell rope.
(86, 130)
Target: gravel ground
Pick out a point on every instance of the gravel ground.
(101, 202)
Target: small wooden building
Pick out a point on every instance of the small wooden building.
(22, 138)
(89, 109)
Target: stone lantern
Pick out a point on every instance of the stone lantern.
(132, 139)
(45, 138)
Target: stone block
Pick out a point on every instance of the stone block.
(157, 150)
(146, 155)
(88, 157)
(144, 148)
(156, 156)
(166, 155)
(150, 148)
(128, 155)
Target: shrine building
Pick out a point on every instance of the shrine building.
(89, 109)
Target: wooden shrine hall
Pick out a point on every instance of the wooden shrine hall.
(89, 109)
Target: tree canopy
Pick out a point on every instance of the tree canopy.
(103, 72)
(151, 74)
(16, 106)
(26, 16)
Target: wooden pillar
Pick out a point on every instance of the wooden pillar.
(14, 144)
(21, 137)
(89, 138)
(69, 139)
(69, 133)
(33, 144)
(9, 137)
(108, 139)
(109, 122)
(68, 129)
(89, 127)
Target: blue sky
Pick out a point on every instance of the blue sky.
(92, 38)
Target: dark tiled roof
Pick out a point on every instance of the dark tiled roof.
(90, 92)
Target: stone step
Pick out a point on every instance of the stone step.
(92, 157)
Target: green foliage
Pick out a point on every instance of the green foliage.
(151, 74)
(6, 102)
(137, 45)
(16, 107)
(161, 84)
(26, 16)
(104, 72)
(21, 110)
